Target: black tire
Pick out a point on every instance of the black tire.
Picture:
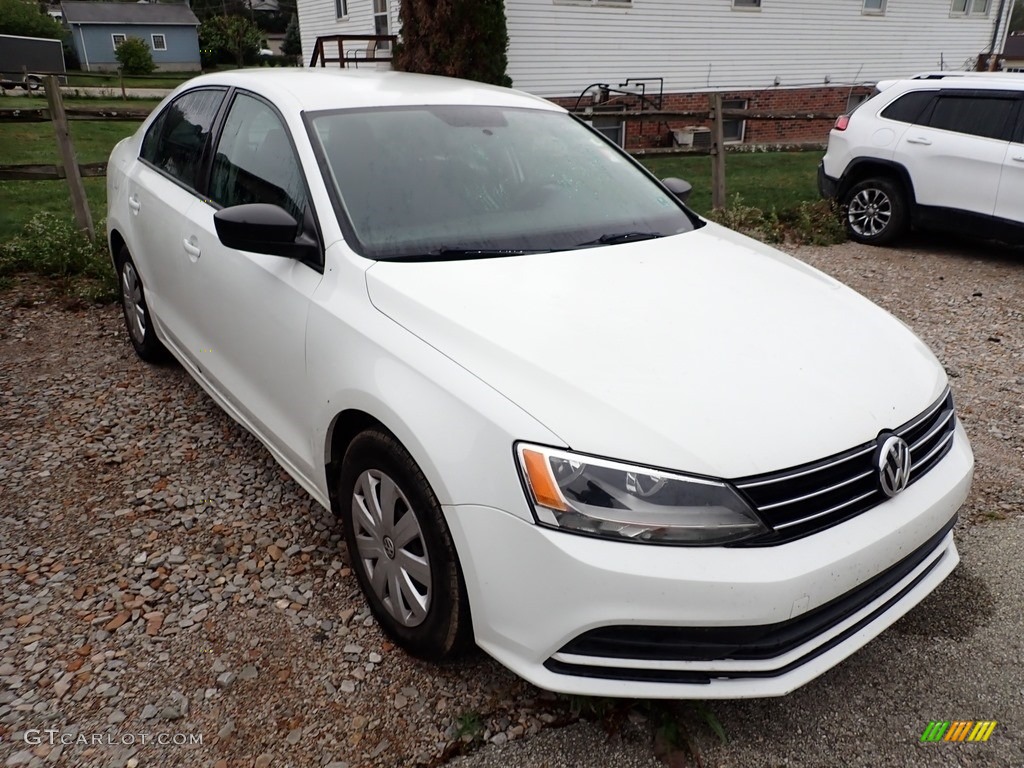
(133, 304)
(875, 211)
(442, 629)
(32, 83)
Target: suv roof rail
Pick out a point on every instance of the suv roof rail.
(990, 75)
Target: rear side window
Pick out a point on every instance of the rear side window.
(176, 141)
(909, 107)
(975, 116)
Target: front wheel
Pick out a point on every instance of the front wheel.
(875, 211)
(32, 83)
(401, 549)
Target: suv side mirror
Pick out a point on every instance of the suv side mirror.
(263, 228)
(678, 187)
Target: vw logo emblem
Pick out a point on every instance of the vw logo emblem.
(893, 464)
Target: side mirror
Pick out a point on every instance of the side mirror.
(678, 187)
(263, 228)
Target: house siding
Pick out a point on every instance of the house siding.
(789, 55)
(182, 44)
(318, 18)
(558, 49)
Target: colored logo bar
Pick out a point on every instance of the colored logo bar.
(958, 730)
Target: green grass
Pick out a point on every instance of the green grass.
(764, 180)
(156, 80)
(35, 143)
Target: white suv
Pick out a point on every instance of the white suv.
(940, 150)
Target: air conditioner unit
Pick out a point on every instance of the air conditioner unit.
(692, 136)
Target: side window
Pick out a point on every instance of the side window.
(909, 107)
(176, 141)
(255, 162)
(975, 116)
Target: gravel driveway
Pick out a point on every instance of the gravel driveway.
(164, 583)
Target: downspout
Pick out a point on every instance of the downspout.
(85, 51)
(995, 37)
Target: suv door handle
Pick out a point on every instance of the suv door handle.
(191, 248)
(1018, 158)
(919, 140)
(134, 204)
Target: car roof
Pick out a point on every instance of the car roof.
(973, 80)
(315, 89)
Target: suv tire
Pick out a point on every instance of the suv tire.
(875, 211)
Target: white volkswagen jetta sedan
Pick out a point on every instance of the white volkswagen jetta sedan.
(626, 451)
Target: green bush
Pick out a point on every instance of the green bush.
(135, 57)
(809, 223)
(52, 246)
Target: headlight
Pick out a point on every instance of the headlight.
(605, 498)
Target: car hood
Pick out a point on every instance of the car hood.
(706, 352)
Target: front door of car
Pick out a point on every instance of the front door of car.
(161, 189)
(250, 309)
(1010, 201)
(955, 154)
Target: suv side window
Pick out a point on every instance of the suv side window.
(909, 107)
(176, 141)
(255, 161)
(986, 116)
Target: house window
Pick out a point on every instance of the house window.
(874, 7)
(341, 8)
(970, 7)
(159, 42)
(747, 4)
(117, 39)
(382, 22)
(733, 130)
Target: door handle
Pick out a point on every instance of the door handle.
(1018, 158)
(191, 248)
(134, 204)
(919, 140)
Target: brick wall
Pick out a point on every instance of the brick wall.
(828, 100)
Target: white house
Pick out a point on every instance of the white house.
(763, 54)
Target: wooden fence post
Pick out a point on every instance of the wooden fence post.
(79, 203)
(717, 153)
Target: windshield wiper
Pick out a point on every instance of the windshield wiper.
(621, 237)
(453, 254)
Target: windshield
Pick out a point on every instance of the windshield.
(470, 181)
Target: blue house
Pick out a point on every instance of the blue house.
(169, 29)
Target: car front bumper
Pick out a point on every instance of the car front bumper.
(533, 591)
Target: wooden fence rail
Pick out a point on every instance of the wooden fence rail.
(42, 114)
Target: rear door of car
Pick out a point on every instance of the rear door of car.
(162, 185)
(1010, 200)
(955, 152)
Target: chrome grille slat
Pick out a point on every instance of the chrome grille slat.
(809, 498)
(845, 504)
(831, 488)
(938, 447)
(934, 431)
(865, 449)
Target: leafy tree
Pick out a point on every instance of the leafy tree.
(458, 38)
(236, 36)
(135, 57)
(1017, 17)
(23, 17)
(292, 43)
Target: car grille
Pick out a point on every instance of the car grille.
(706, 645)
(802, 500)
